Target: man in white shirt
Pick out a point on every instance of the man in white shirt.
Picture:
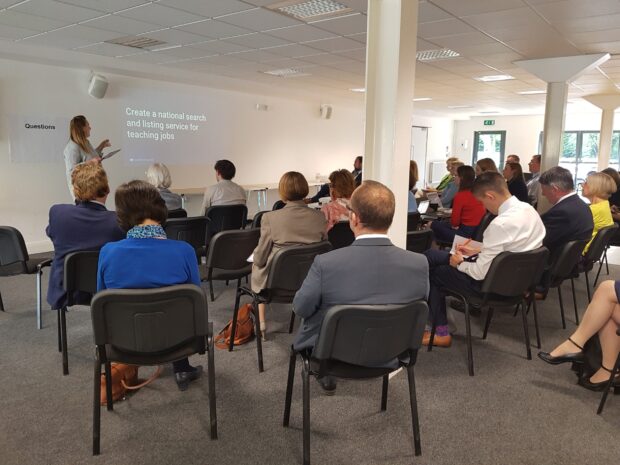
(517, 228)
(533, 185)
(225, 192)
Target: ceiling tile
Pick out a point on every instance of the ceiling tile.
(214, 29)
(290, 63)
(544, 46)
(110, 50)
(259, 2)
(258, 56)
(591, 23)
(175, 36)
(567, 9)
(334, 45)
(344, 25)
(220, 47)
(58, 40)
(429, 12)
(223, 60)
(122, 25)
(58, 11)
(294, 50)
(361, 38)
(301, 33)
(8, 3)
(259, 20)
(323, 59)
(35, 23)
(14, 33)
(180, 53)
(357, 5)
(107, 6)
(513, 19)
(593, 37)
(160, 14)
(473, 7)
(459, 40)
(148, 57)
(208, 9)
(446, 27)
(258, 40)
(358, 54)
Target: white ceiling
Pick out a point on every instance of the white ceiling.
(242, 39)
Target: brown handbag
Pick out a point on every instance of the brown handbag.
(124, 378)
(244, 331)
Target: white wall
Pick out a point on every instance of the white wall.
(263, 145)
(440, 138)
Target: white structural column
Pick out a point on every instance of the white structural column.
(608, 103)
(555, 112)
(390, 76)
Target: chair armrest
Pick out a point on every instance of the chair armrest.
(44, 263)
(256, 296)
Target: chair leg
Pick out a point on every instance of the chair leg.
(108, 386)
(384, 392)
(96, 406)
(572, 285)
(470, 354)
(59, 332)
(289, 388)
(212, 398)
(600, 266)
(588, 289)
(305, 377)
(291, 324)
(608, 387)
(606, 261)
(63, 332)
(487, 323)
(432, 338)
(1, 303)
(211, 290)
(39, 316)
(259, 342)
(536, 322)
(233, 328)
(526, 332)
(417, 447)
(561, 308)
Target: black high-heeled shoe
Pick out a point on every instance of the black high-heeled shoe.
(574, 357)
(601, 385)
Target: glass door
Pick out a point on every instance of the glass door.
(490, 144)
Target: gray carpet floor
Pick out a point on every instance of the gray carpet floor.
(514, 411)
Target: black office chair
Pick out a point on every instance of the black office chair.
(289, 268)
(149, 327)
(484, 224)
(340, 235)
(614, 242)
(14, 260)
(192, 230)
(419, 241)
(80, 283)
(614, 372)
(510, 276)
(225, 218)
(413, 221)
(354, 341)
(257, 220)
(177, 213)
(278, 204)
(228, 255)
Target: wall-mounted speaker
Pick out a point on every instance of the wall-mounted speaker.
(326, 111)
(97, 86)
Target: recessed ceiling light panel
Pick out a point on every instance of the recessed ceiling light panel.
(494, 78)
(287, 72)
(422, 99)
(532, 92)
(459, 107)
(310, 9)
(432, 55)
(141, 42)
(358, 89)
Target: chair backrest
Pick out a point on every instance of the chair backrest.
(419, 241)
(229, 250)
(340, 235)
(192, 230)
(371, 335)
(566, 259)
(257, 220)
(12, 247)
(225, 218)
(149, 321)
(290, 266)
(278, 204)
(177, 213)
(511, 274)
(80, 273)
(599, 243)
(413, 220)
(484, 223)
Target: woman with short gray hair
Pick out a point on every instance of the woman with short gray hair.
(158, 176)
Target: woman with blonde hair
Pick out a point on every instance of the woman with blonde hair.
(485, 164)
(449, 176)
(294, 224)
(341, 186)
(78, 149)
(158, 176)
(597, 188)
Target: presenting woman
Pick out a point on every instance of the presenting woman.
(78, 149)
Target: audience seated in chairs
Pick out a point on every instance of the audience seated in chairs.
(517, 228)
(344, 277)
(341, 186)
(516, 183)
(597, 188)
(447, 195)
(485, 164)
(533, 185)
(294, 224)
(158, 175)
(146, 259)
(467, 210)
(225, 192)
(88, 225)
(412, 204)
(602, 317)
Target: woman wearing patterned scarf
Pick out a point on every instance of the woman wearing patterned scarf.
(146, 259)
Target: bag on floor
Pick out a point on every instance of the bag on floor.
(592, 359)
(244, 331)
(124, 378)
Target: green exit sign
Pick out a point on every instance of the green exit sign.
(489, 122)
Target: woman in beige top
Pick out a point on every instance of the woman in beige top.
(295, 224)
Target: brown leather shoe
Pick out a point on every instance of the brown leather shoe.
(438, 341)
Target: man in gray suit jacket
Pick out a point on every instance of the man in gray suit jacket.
(371, 271)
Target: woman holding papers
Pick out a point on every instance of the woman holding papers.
(467, 211)
(78, 149)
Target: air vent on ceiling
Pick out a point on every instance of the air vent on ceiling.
(310, 9)
(432, 55)
(141, 42)
(287, 72)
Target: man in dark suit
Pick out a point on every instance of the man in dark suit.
(569, 219)
(88, 225)
(371, 271)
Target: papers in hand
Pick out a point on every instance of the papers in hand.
(250, 259)
(433, 198)
(110, 154)
(465, 246)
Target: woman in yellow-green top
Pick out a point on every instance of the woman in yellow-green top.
(449, 176)
(597, 188)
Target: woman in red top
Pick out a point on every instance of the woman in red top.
(467, 211)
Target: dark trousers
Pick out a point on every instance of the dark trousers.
(181, 365)
(444, 233)
(443, 276)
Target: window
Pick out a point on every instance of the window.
(490, 144)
